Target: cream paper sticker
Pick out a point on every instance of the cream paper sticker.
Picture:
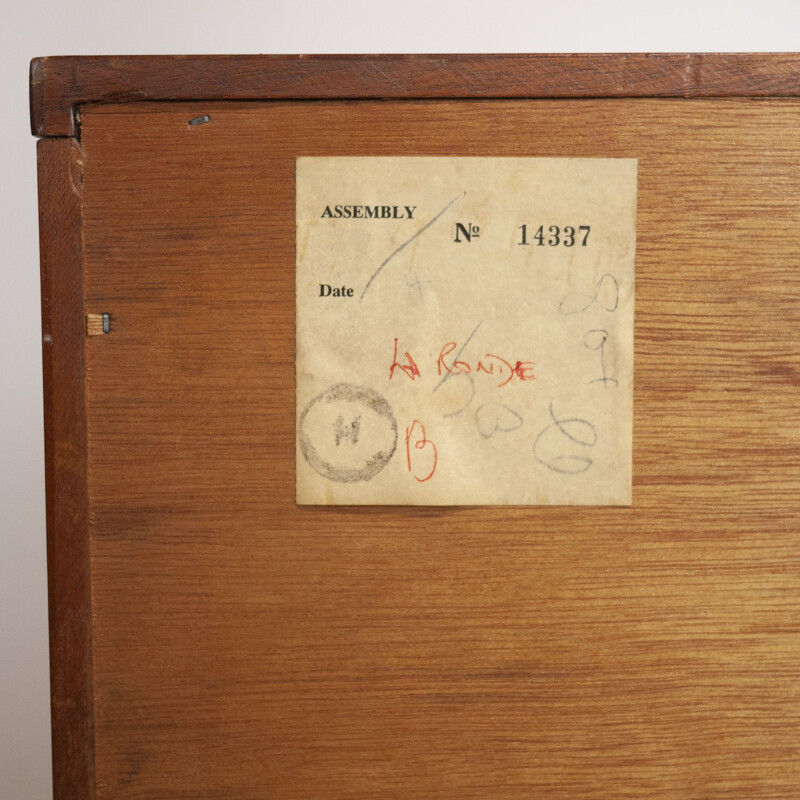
(465, 330)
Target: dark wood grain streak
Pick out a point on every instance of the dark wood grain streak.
(69, 578)
(59, 84)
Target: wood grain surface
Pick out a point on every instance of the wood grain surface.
(59, 85)
(68, 563)
(245, 647)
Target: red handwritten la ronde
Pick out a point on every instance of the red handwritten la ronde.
(489, 364)
(417, 436)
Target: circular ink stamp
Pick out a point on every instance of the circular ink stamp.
(348, 433)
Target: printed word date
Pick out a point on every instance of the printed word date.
(554, 235)
(326, 290)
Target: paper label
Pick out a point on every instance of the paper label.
(465, 330)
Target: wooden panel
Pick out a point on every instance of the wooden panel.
(59, 85)
(68, 564)
(245, 647)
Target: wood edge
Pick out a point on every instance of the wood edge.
(59, 84)
(36, 95)
(68, 545)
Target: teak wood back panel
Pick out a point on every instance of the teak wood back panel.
(245, 647)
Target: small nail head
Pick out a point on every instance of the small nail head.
(200, 120)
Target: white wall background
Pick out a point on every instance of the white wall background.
(31, 28)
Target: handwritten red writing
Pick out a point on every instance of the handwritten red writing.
(489, 364)
(410, 367)
(416, 437)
